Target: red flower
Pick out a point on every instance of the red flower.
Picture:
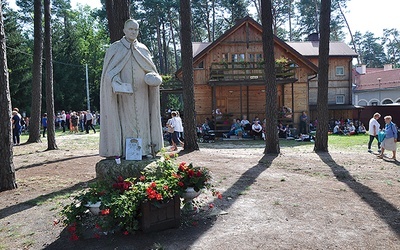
(190, 173)
(105, 211)
(97, 236)
(72, 228)
(219, 196)
(142, 178)
(182, 166)
(153, 184)
(181, 184)
(74, 237)
(211, 205)
(158, 197)
(125, 232)
(165, 187)
(199, 173)
(97, 226)
(120, 179)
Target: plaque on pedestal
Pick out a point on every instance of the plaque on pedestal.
(133, 149)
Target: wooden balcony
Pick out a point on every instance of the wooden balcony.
(249, 73)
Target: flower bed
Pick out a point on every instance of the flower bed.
(131, 204)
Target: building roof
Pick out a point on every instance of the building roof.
(311, 49)
(377, 79)
(198, 47)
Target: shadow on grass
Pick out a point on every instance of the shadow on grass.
(184, 237)
(54, 161)
(20, 207)
(384, 209)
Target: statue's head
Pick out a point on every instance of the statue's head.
(131, 29)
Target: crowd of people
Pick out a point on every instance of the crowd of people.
(348, 127)
(243, 128)
(72, 121)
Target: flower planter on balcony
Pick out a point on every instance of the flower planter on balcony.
(160, 216)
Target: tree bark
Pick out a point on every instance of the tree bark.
(36, 104)
(171, 23)
(118, 12)
(189, 117)
(272, 139)
(51, 132)
(7, 170)
(321, 140)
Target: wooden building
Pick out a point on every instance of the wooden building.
(228, 75)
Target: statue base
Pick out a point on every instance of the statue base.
(108, 169)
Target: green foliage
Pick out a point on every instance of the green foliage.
(120, 201)
(371, 51)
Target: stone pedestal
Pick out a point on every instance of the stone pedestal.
(109, 170)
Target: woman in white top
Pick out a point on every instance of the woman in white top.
(176, 123)
(373, 130)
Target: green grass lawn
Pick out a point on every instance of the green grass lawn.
(91, 141)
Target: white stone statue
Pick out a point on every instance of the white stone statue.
(129, 96)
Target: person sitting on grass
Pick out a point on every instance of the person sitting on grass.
(337, 130)
(352, 129)
(362, 129)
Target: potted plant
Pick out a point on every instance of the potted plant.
(125, 204)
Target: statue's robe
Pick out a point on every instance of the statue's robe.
(134, 115)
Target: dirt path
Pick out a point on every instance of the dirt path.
(342, 200)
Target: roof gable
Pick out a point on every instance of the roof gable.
(201, 49)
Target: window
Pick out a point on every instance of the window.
(340, 99)
(200, 65)
(225, 57)
(340, 71)
(237, 57)
(374, 103)
(387, 101)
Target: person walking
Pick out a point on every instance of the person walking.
(16, 126)
(63, 118)
(390, 140)
(44, 124)
(89, 122)
(373, 130)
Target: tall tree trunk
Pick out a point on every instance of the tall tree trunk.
(34, 124)
(290, 20)
(321, 141)
(272, 139)
(159, 43)
(51, 132)
(118, 12)
(351, 33)
(316, 17)
(171, 28)
(213, 21)
(165, 49)
(188, 82)
(7, 170)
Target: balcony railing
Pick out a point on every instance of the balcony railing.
(239, 71)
